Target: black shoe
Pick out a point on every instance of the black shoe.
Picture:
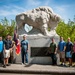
(4, 66)
(7, 64)
(70, 65)
(61, 64)
(64, 65)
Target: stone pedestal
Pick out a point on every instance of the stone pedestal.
(41, 19)
(39, 46)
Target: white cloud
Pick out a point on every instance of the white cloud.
(4, 13)
(62, 11)
(33, 2)
(19, 8)
(47, 2)
(7, 13)
(11, 10)
(14, 8)
(62, 8)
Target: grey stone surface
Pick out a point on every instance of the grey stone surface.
(40, 18)
(39, 41)
(37, 69)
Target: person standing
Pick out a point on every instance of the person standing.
(73, 51)
(69, 49)
(53, 51)
(1, 50)
(7, 49)
(13, 52)
(24, 49)
(61, 48)
(18, 49)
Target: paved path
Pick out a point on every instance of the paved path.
(37, 69)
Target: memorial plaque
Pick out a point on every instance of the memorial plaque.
(39, 51)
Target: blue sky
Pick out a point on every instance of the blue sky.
(9, 8)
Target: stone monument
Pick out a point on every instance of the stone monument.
(41, 19)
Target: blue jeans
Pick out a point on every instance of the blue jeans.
(24, 56)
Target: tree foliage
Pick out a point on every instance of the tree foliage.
(66, 30)
(6, 27)
(63, 29)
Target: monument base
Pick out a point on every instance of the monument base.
(38, 48)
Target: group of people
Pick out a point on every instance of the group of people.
(9, 48)
(66, 50)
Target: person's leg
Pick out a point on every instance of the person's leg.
(70, 61)
(54, 59)
(11, 56)
(2, 58)
(70, 58)
(8, 56)
(26, 57)
(63, 58)
(5, 58)
(58, 58)
(22, 57)
(64, 61)
(7, 61)
(4, 62)
(73, 57)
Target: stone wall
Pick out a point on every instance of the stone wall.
(40, 19)
(40, 41)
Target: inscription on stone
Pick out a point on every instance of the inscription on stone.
(39, 51)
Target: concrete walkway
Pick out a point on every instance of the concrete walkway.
(38, 69)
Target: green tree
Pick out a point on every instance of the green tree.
(62, 30)
(6, 27)
(66, 30)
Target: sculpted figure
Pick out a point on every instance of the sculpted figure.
(40, 18)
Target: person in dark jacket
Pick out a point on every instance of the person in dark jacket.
(69, 49)
(7, 49)
(53, 51)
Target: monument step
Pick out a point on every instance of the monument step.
(37, 69)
